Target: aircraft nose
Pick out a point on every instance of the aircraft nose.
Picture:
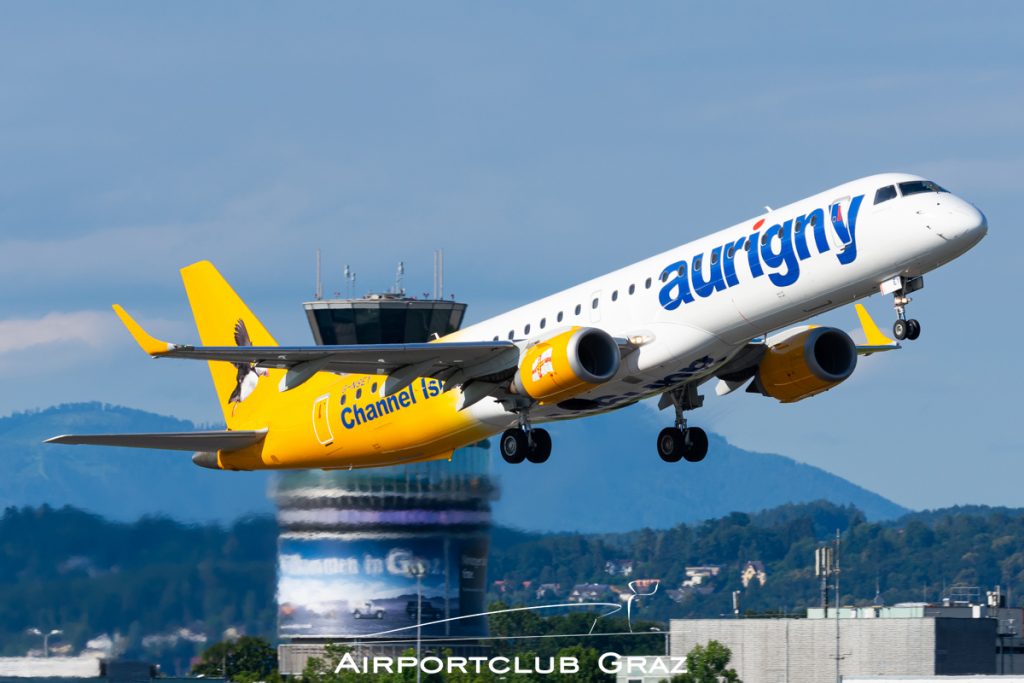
(972, 224)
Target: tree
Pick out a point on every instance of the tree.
(706, 664)
(248, 658)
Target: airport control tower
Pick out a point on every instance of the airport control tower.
(352, 542)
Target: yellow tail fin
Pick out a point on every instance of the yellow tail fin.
(223, 319)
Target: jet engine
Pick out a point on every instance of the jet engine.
(806, 364)
(566, 364)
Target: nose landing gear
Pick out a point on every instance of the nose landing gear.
(900, 287)
(683, 442)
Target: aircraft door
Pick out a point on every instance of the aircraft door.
(838, 224)
(321, 423)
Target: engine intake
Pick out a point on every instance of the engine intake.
(567, 364)
(806, 364)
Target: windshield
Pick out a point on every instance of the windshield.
(919, 186)
(884, 194)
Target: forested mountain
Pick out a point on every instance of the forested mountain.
(608, 458)
(68, 569)
(118, 483)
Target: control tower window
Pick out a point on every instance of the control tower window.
(919, 186)
(884, 194)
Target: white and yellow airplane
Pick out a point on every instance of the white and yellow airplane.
(665, 325)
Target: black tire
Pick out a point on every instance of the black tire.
(541, 450)
(913, 329)
(670, 444)
(899, 329)
(513, 446)
(695, 442)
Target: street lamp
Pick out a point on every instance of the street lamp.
(655, 629)
(418, 569)
(46, 638)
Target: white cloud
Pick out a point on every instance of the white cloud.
(76, 327)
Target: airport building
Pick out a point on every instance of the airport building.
(364, 554)
(909, 640)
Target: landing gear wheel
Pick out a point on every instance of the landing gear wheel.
(541, 449)
(695, 441)
(671, 444)
(900, 328)
(514, 446)
(913, 329)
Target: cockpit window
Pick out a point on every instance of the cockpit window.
(919, 186)
(884, 194)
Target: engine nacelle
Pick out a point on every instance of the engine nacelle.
(566, 364)
(806, 364)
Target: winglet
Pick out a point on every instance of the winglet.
(875, 338)
(149, 343)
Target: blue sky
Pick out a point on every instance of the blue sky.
(538, 144)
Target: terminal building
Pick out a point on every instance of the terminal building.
(363, 553)
(906, 641)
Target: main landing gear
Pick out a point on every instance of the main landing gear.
(683, 442)
(525, 443)
(905, 328)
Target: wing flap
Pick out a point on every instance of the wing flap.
(214, 441)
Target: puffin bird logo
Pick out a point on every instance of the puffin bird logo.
(248, 374)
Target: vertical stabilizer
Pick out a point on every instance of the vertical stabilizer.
(223, 319)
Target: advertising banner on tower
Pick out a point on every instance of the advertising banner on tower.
(351, 587)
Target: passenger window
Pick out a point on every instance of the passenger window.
(632, 288)
(543, 322)
(664, 276)
(593, 304)
(884, 194)
(764, 238)
(495, 338)
(696, 264)
(746, 244)
(729, 252)
(647, 283)
(344, 396)
(526, 330)
(615, 295)
(511, 334)
(359, 393)
(681, 269)
(373, 388)
(799, 227)
(714, 257)
(559, 318)
(578, 309)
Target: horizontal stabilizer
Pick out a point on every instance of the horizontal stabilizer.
(171, 441)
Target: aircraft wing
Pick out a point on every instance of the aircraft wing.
(172, 441)
(449, 361)
(743, 366)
